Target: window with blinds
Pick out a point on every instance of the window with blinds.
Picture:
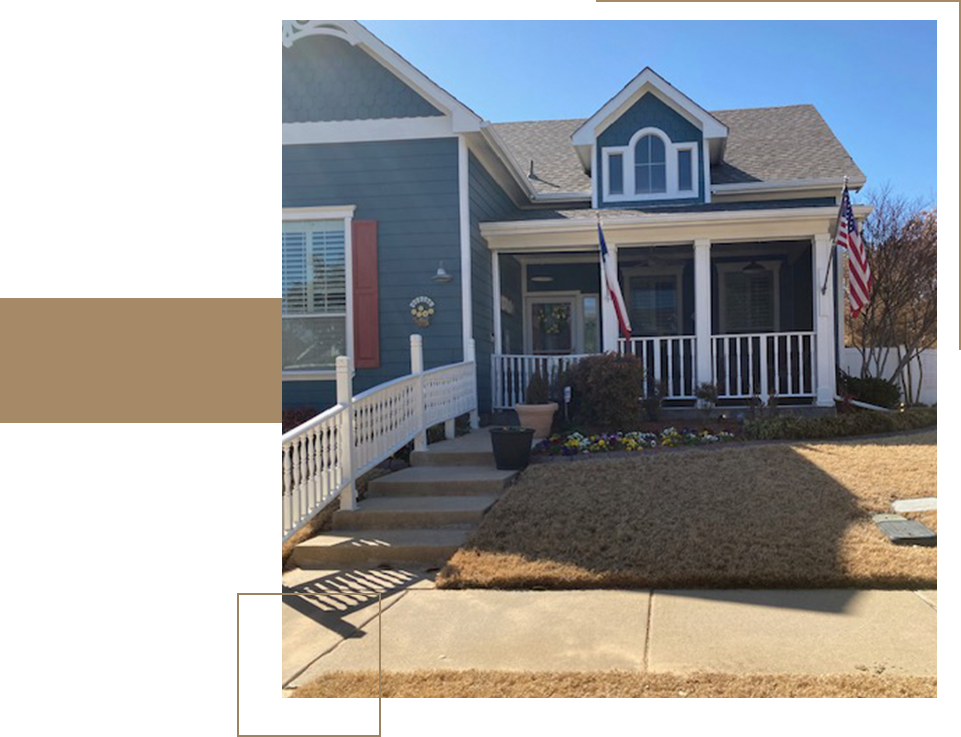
(749, 301)
(314, 294)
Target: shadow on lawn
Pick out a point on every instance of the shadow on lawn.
(751, 517)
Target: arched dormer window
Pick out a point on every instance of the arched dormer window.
(650, 167)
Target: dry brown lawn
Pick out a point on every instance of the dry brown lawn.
(787, 515)
(617, 684)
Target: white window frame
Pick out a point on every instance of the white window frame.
(577, 319)
(659, 271)
(344, 213)
(726, 268)
(670, 153)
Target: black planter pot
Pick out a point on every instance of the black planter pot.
(512, 447)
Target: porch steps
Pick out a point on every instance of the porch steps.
(473, 449)
(370, 548)
(419, 516)
(421, 481)
(405, 512)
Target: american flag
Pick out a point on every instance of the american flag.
(860, 280)
(614, 288)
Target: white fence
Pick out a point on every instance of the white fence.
(924, 369)
(322, 458)
(510, 374)
(763, 364)
(668, 361)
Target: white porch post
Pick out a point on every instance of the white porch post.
(823, 323)
(702, 311)
(496, 283)
(417, 369)
(345, 397)
(609, 328)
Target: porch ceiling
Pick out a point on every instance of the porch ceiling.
(631, 228)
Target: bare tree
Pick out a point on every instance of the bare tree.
(901, 239)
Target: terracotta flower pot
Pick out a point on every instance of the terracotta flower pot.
(537, 416)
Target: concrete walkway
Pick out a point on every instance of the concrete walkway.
(801, 632)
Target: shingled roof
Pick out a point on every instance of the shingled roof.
(764, 144)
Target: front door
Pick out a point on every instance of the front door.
(552, 325)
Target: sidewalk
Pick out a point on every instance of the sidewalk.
(738, 632)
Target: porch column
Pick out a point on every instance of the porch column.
(609, 329)
(702, 310)
(823, 323)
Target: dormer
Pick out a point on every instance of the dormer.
(651, 145)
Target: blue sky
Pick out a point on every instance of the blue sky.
(879, 96)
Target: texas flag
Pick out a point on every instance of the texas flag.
(614, 288)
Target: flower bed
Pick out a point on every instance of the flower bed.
(575, 443)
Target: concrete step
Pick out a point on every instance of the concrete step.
(442, 481)
(373, 547)
(391, 512)
(452, 458)
(473, 449)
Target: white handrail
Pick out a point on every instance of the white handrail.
(323, 457)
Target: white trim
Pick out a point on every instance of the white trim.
(706, 163)
(732, 267)
(703, 307)
(295, 30)
(337, 212)
(787, 185)
(594, 176)
(463, 118)
(671, 149)
(466, 287)
(330, 375)
(646, 81)
(496, 296)
(576, 324)
(352, 131)
(660, 219)
(597, 297)
(334, 212)
(677, 272)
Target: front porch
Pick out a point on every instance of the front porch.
(738, 314)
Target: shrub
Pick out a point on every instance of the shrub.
(297, 416)
(880, 392)
(706, 392)
(655, 396)
(538, 390)
(606, 390)
(865, 422)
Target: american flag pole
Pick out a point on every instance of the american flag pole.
(834, 248)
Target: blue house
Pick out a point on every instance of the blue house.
(405, 211)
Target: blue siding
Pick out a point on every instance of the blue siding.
(410, 189)
(327, 79)
(488, 202)
(649, 111)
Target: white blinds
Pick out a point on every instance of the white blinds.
(314, 274)
(750, 301)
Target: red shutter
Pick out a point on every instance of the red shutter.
(366, 320)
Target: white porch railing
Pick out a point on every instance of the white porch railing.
(668, 361)
(322, 458)
(762, 364)
(510, 374)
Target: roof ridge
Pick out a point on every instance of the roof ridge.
(548, 120)
(765, 107)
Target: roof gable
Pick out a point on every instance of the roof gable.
(463, 118)
(647, 82)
